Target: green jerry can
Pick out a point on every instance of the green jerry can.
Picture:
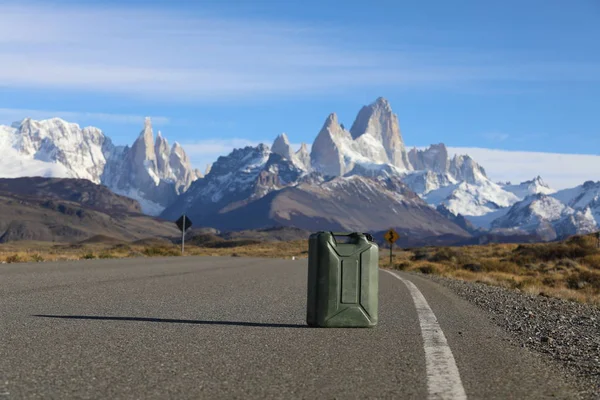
(343, 280)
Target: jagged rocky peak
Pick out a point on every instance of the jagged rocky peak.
(464, 168)
(208, 169)
(434, 158)
(326, 155)
(282, 146)
(142, 150)
(303, 156)
(378, 120)
(163, 153)
(180, 168)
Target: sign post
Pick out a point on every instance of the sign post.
(391, 236)
(183, 223)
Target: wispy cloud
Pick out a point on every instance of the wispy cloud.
(559, 170)
(10, 115)
(163, 54)
(496, 136)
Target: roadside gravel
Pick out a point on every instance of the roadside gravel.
(565, 331)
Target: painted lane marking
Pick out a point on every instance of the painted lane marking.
(443, 378)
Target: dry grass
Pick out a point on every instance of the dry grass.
(40, 252)
(568, 270)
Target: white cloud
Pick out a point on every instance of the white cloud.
(496, 136)
(150, 52)
(10, 115)
(560, 171)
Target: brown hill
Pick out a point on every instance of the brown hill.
(68, 210)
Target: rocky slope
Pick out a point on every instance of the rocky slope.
(69, 210)
(148, 171)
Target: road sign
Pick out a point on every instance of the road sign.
(184, 223)
(391, 236)
(180, 223)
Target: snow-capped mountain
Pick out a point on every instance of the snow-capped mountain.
(524, 189)
(582, 197)
(374, 138)
(255, 187)
(546, 216)
(152, 173)
(458, 184)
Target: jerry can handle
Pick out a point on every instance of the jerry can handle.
(368, 236)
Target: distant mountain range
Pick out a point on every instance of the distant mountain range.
(358, 179)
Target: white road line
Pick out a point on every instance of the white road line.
(443, 378)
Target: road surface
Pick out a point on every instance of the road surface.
(206, 328)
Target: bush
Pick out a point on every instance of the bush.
(37, 258)
(568, 264)
(421, 254)
(15, 258)
(428, 269)
(402, 266)
(89, 256)
(583, 279)
(161, 251)
(527, 254)
(592, 261)
(473, 267)
(444, 254)
(106, 255)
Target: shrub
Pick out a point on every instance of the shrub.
(15, 258)
(161, 251)
(37, 258)
(106, 255)
(402, 266)
(421, 254)
(569, 264)
(89, 256)
(444, 254)
(428, 269)
(472, 267)
(527, 254)
(583, 279)
(592, 261)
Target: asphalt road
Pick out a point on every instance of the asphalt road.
(206, 328)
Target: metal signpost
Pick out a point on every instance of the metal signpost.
(183, 223)
(391, 236)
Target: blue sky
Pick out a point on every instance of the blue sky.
(512, 75)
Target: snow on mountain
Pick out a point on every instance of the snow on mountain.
(54, 141)
(147, 171)
(282, 147)
(424, 182)
(470, 199)
(586, 196)
(255, 187)
(379, 122)
(374, 138)
(433, 159)
(524, 189)
(546, 216)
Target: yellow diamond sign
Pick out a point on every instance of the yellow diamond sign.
(391, 236)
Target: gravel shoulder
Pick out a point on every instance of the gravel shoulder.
(568, 333)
